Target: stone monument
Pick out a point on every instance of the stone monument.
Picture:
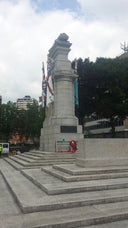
(61, 124)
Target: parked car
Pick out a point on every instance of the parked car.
(5, 149)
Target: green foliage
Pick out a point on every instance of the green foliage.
(25, 122)
(35, 117)
(103, 88)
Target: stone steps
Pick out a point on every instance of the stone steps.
(43, 153)
(50, 159)
(51, 154)
(19, 161)
(31, 199)
(39, 152)
(59, 156)
(33, 156)
(61, 187)
(72, 170)
(56, 158)
(18, 166)
(32, 153)
(13, 163)
(24, 158)
(24, 191)
(29, 162)
(70, 178)
(66, 195)
(81, 216)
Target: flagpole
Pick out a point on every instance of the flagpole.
(44, 88)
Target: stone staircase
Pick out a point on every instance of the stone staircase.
(39, 159)
(51, 191)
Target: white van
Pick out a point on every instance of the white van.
(5, 148)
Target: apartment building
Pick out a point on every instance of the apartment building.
(22, 103)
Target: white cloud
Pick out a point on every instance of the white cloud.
(26, 36)
(110, 10)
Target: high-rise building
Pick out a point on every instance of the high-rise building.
(22, 103)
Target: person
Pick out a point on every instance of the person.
(1, 149)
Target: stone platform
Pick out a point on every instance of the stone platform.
(40, 189)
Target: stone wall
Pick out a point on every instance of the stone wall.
(102, 152)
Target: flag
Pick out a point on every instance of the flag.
(50, 92)
(76, 96)
(44, 87)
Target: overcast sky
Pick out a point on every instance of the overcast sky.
(28, 29)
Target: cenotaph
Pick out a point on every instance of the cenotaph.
(60, 123)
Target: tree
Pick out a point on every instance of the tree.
(103, 89)
(35, 117)
(24, 122)
(8, 120)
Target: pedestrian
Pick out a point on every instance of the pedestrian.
(1, 149)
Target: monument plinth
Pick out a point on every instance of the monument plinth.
(61, 122)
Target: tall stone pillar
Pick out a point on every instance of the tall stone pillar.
(60, 122)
